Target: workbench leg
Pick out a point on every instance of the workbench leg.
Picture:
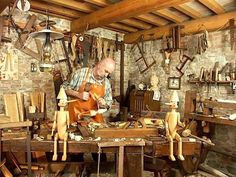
(121, 162)
(133, 165)
(28, 144)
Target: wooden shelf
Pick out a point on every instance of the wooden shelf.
(211, 82)
(210, 119)
(226, 105)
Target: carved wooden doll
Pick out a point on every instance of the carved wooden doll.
(61, 124)
(172, 120)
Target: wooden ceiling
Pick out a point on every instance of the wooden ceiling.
(150, 18)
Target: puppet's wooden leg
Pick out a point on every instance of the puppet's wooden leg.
(180, 154)
(65, 147)
(171, 156)
(54, 157)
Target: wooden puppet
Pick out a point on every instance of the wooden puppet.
(61, 123)
(172, 120)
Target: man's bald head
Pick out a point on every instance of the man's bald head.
(104, 68)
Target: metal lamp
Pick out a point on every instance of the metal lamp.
(47, 35)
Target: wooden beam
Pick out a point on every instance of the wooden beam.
(153, 19)
(132, 22)
(165, 13)
(4, 4)
(123, 27)
(127, 9)
(83, 7)
(100, 3)
(57, 10)
(213, 5)
(190, 27)
(136, 23)
(188, 11)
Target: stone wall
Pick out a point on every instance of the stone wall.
(219, 50)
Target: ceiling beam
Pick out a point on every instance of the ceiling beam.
(152, 19)
(100, 3)
(188, 11)
(57, 10)
(190, 27)
(131, 21)
(4, 4)
(167, 14)
(122, 27)
(83, 7)
(213, 5)
(136, 23)
(120, 11)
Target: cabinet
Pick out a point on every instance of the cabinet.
(141, 100)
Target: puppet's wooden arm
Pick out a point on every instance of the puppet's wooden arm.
(181, 124)
(166, 125)
(54, 123)
(67, 119)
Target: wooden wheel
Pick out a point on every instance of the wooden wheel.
(192, 162)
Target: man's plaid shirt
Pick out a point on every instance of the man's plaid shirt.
(79, 76)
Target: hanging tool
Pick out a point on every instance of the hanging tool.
(140, 48)
(182, 64)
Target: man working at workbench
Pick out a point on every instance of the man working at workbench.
(92, 89)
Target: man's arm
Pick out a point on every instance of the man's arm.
(108, 93)
(73, 85)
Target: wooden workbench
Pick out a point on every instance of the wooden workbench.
(156, 147)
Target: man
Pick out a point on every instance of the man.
(91, 89)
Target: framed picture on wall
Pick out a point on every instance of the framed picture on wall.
(174, 83)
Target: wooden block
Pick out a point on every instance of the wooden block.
(11, 107)
(125, 133)
(20, 103)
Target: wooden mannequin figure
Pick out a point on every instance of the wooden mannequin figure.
(172, 120)
(61, 123)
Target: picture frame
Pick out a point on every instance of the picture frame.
(174, 83)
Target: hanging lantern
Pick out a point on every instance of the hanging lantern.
(47, 35)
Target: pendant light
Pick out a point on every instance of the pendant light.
(47, 36)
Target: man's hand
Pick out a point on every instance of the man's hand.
(102, 103)
(84, 95)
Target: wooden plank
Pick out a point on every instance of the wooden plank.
(20, 103)
(188, 11)
(101, 3)
(123, 27)
(213, 5)
(11, 107)
(16, 124)
(131, 22)
(190, 27)
(127, 133)
(57, 10)
(127, 9)
(79, 6)
(42, 101)
(165, 13)
(4, 4)
(136, 23)
(153, 19)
